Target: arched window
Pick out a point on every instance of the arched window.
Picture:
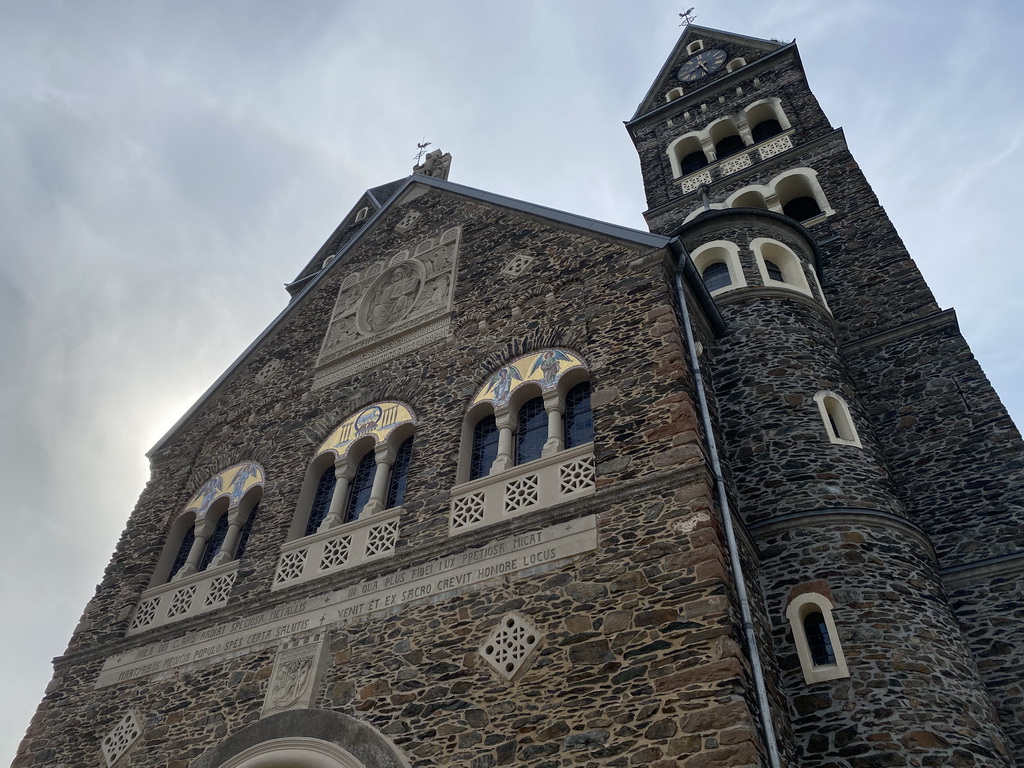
(692, 162)
(835, 415)
(765, 130)
(183, 551)
(322, 500)
(774, 271)
(243, 537)
(361, 486)
(579, 418)
(729, 145)
(818, 641)
(716, 275)
(485, 447)
(815, 636)
(749, 199)
(802, 208)
(399, 474)
(532, 430)
(215, 542)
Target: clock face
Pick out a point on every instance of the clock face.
(701, 65)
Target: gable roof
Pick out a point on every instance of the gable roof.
(625, 234)
(678, 55)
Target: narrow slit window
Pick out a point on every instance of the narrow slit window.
(243, 537)
(818, 641)
(183, 551)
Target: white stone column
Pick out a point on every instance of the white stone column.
(555, 408)
(504, 460)
(709, 148)
(227, 549)
(336, 513)
(385, 457)
(195, 554)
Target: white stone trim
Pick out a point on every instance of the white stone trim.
(682, 146)
(753, 113)
(121, 737)
(798, 609)
(695, 47)
(792, 267)
(833, 404)
(180, 599)
(510, 645)
(720, 251)
(371, 537)
(735, 64)
(524, 488)
(295, 752)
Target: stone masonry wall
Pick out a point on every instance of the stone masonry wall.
(640, 662)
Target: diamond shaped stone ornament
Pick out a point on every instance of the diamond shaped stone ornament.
(120, 738)
(510, 645)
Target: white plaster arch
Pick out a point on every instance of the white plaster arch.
(724, 252)
(768, 250)
(799, 608)
(802, 179)
(760, 110)
(681, 146)
(835, 413)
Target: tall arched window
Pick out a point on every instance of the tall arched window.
(321, 500)
(532, 430)
(485, 447)
(579, 418)
(765, 130)
(835, 414)
(818, 641)
(215, 542)
(399, 474)
(728, 146)
(361, 486)
(774, 271)
(692, 162)
(183, 550)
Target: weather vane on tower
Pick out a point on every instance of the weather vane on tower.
(422, 147)
(687, 16)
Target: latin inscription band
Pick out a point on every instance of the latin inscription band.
(443, 576)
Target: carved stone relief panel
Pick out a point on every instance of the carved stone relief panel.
(398, 304)
(299, 665)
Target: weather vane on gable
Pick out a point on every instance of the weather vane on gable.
(422, 147)
(687, 16)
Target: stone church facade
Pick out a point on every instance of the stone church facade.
(507, 486)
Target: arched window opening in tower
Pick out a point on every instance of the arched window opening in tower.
(774, 271)
(765, 130)
(579, 418)
(321, 501)
(361, 487)
(802, 208)
(485, 447)
(692, 162)
(716, 276)
(532, 430)
(818, 641)
(399, 474)
(730, 145)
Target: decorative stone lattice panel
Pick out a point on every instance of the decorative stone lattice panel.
(407, 221)
(775, 146)
(510, 645)
(181, 601)
(468, 510)
(145, 613)
(220, 588)
(521, 493)
(576, 476)
(291, 566)
(733, 164)
(516, 265)
(123, 735)
(336, 552)
(690, 183)
(382, 538)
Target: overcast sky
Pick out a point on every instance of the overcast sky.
(166, 166)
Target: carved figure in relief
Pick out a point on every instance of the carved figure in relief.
(438, 295)
(394, 299)
(292, 681)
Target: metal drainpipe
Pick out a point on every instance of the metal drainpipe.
(682, 258)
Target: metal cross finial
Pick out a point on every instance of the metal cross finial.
(688, 17)
(422, 147)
